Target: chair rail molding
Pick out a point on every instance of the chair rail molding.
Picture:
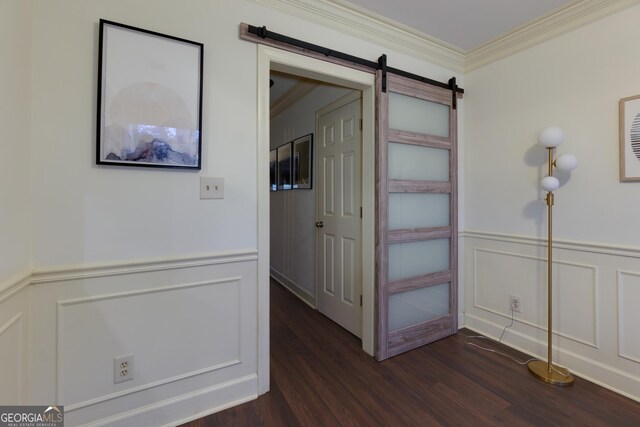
(57, 274)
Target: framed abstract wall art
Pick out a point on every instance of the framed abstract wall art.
(284, 166)
(149, 98)
(630, 139)
(273, 170)
(302, 161)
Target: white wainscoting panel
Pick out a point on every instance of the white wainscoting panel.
(190, 323)
(12, 355)
(629, 315)
(14, 339)
(595, 314)
(154, 325)
(574, 292)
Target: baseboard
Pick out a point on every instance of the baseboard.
(599, 373)
(461, 320)
(301, 293)
(187, 407)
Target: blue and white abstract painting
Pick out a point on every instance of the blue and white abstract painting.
(150, 96)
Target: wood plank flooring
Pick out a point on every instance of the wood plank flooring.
(321, 377)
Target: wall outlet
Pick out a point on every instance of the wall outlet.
(123, 367)
(515, 303)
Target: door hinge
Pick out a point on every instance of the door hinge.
(360, 211)
(360, 124)
(360, 300)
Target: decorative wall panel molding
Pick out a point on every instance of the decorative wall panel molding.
(628, 315)
(12, 335)
(198, 310)
(596, 288)
(129, 327)
(525, 276)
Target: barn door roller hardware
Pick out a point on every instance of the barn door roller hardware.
(381, 64)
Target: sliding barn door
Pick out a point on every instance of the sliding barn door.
(416, 240)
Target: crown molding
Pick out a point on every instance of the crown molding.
(353, 20)
(356, 21)
(553, 24)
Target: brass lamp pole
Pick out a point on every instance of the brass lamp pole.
(550, 138)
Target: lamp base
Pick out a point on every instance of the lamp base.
(540, 370)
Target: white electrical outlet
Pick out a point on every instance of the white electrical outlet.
(515, 303)
(123, 368)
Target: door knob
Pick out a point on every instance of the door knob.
(319, 224)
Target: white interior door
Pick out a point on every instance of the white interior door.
(338, 218)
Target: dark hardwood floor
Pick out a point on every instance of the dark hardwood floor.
(321, 377)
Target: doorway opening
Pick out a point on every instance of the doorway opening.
(276, 61)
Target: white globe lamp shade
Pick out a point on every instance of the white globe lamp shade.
(549, 183)
(567, 162)
(551, 137)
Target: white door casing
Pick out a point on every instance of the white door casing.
(270, 58)
(338, 207)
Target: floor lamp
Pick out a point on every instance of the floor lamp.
(550, 138)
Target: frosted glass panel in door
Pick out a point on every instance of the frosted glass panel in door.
(418, 258)
(416, 162)
(417, 115)
(418, 210)
(417, 306)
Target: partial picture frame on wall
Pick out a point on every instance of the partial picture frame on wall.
(273, 170)
(149, 110)
(630, 139)
(302, 158)
(284, 166)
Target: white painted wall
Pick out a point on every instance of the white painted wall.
(575, 82)
(84, 213)
(15, 41)
(132, 254)
(15, 226)
(293, 232)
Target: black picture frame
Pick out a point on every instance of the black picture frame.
(149, 99)
(273, 170)
(302, 158)
(284, 166)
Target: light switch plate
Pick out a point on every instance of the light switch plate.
(211, 188)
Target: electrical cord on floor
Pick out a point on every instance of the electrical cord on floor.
(504, 330)
(466, 342)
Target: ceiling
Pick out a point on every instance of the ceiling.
(460, 34)
(464, 24)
